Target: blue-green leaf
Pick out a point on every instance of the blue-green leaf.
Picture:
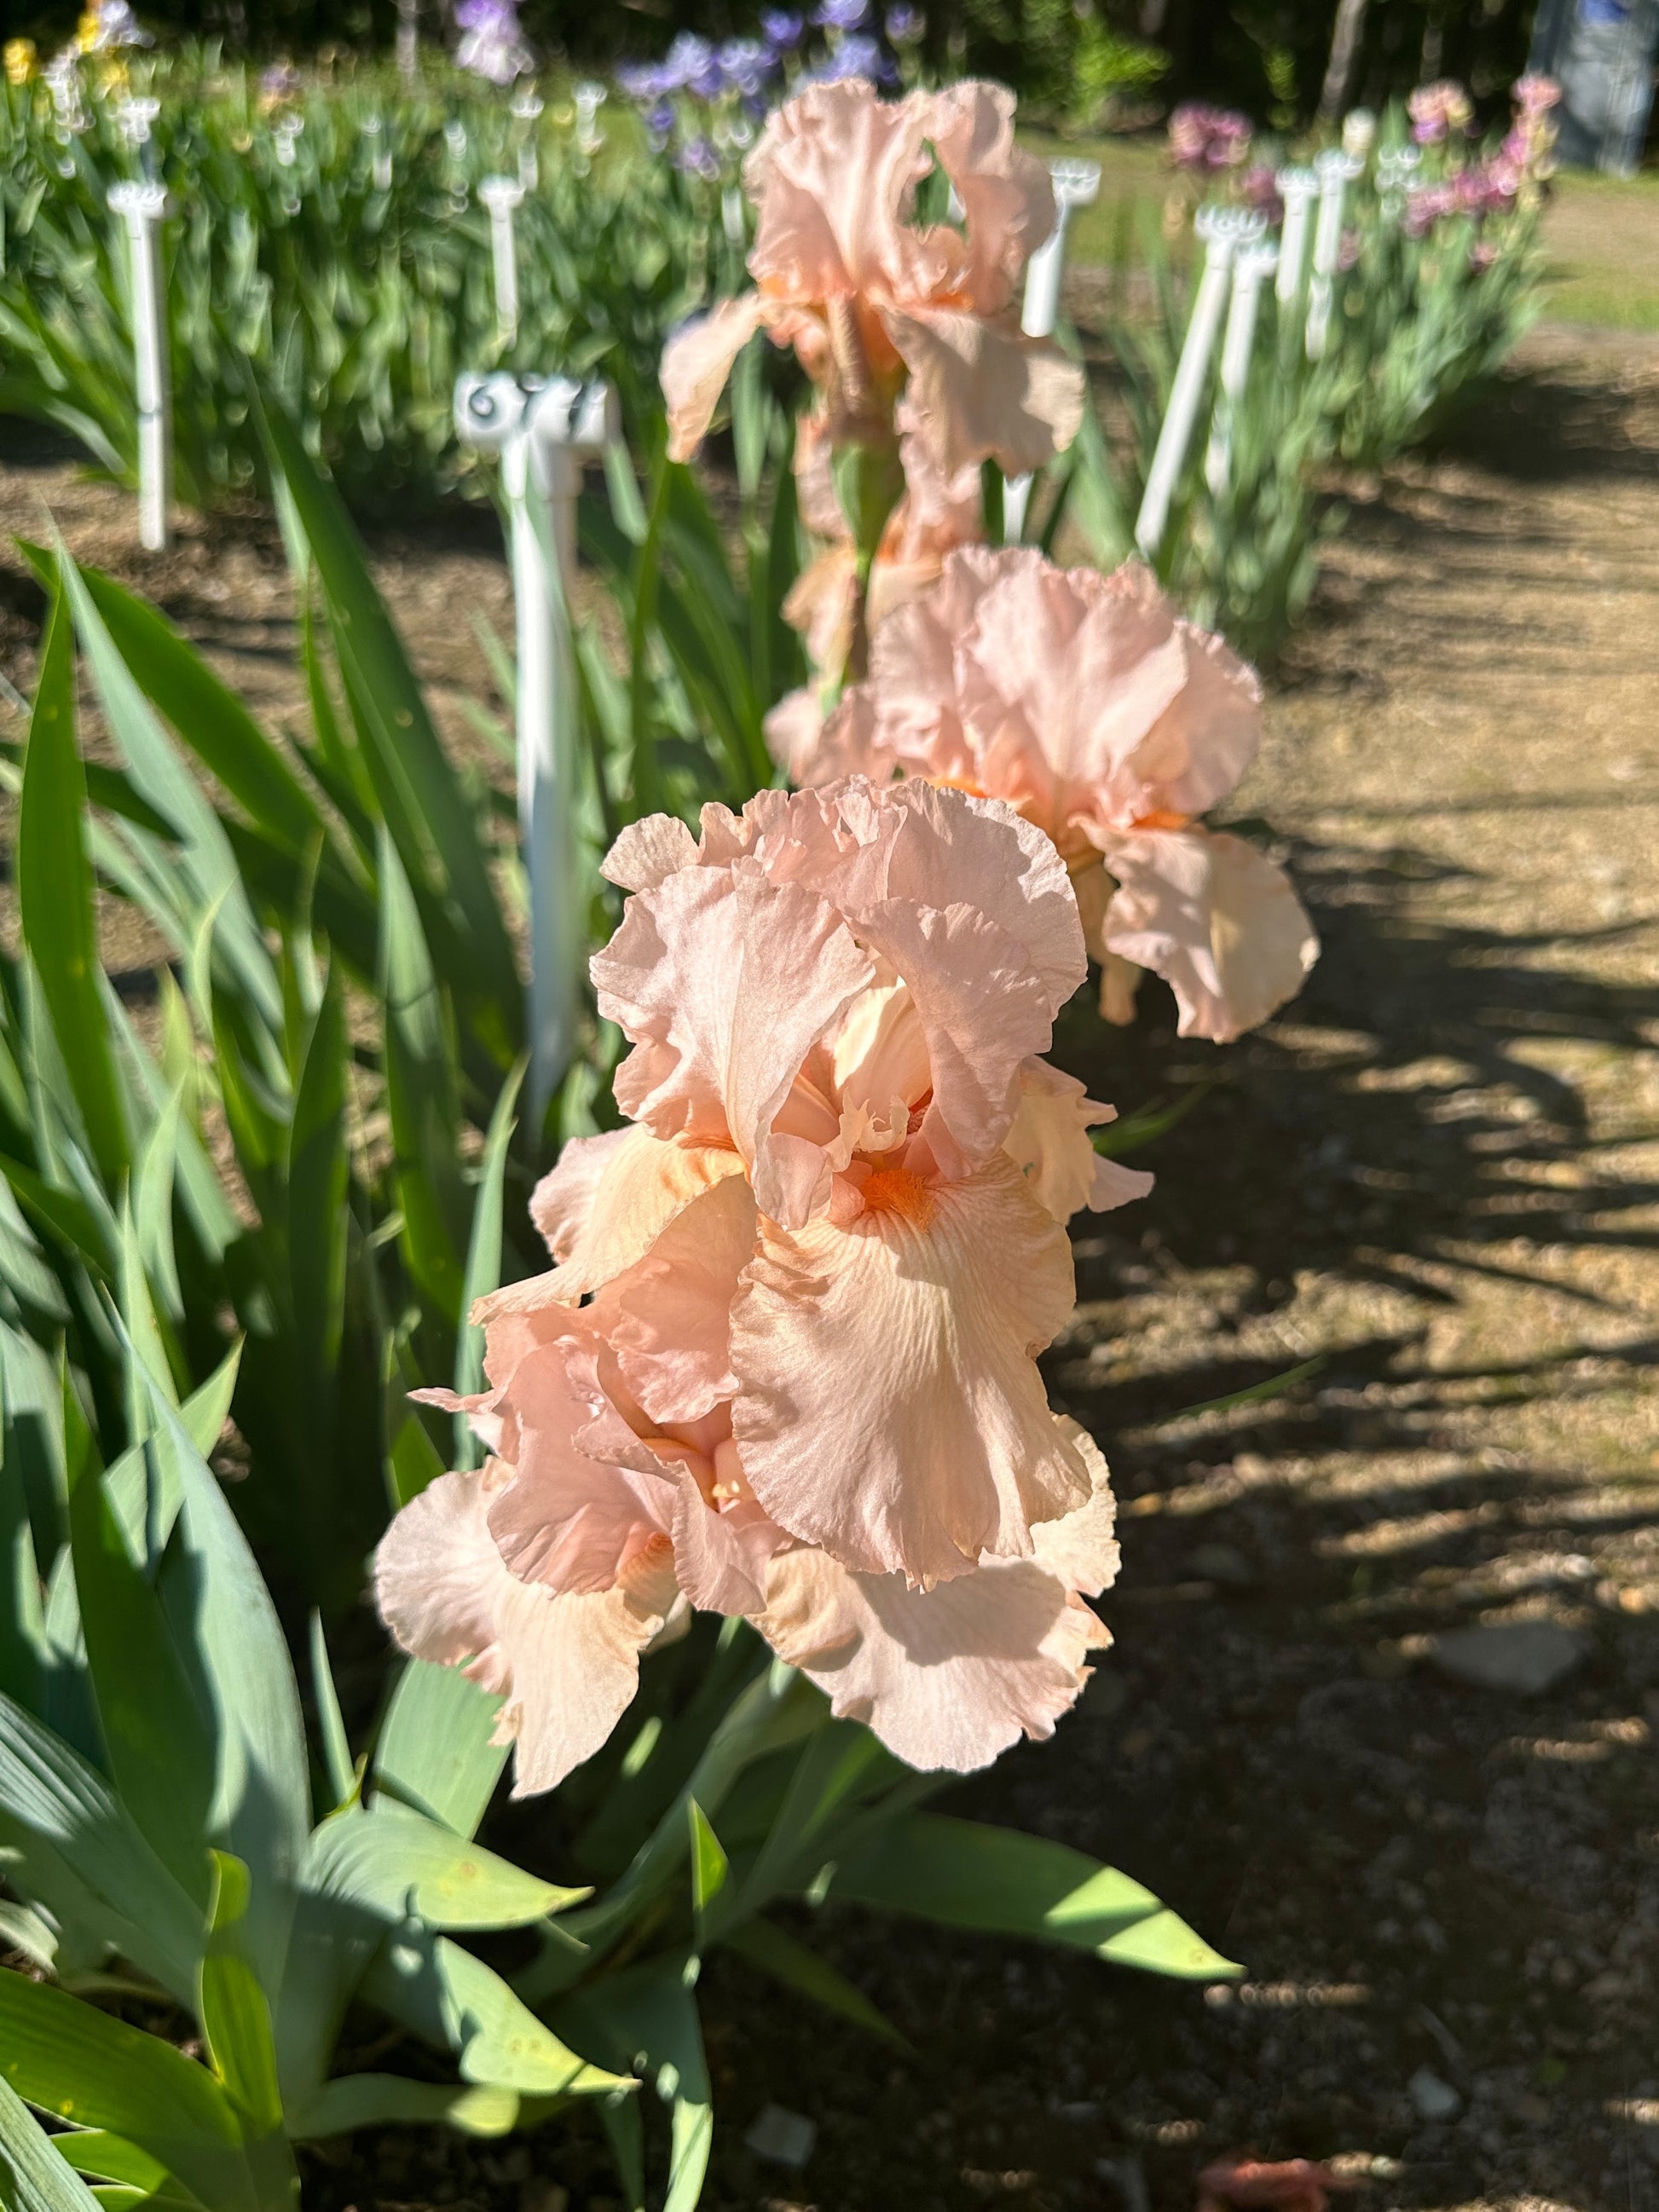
(399, 1865)
(436, 1751)
(55, 899)
(32, 2178)
(968, 1876)
(84, 1856)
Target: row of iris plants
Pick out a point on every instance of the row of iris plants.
(331, 233)
(1439, 275)
(745, 1526)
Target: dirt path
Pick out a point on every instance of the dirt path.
(1441, 1174)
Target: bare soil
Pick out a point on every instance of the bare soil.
(1439, 1173)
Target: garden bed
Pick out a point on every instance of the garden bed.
(1439, 1172)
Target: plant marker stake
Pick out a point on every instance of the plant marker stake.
(379, 153)
(590, 98)
(1359, 132)
(141, 207)
(1396, 166)
(526, 111)
(1221, 231)
(1076, 184)
(408, 40)
(543, 429)
(134, 118)
(1336, 171)
(1298, 189)
(501, 195)
(1251, 263)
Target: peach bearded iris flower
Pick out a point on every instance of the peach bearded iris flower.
(1086, 703)
(784, 1366)
(873, 302)
(828, 604)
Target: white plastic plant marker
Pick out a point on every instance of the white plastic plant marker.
(1251, 265)
(408, 40)
(1222, 232)
(1359, 132)
(544, 428)
(527, 106)
(134, 119)
(1396, 167)
(379, 153)
(502, 196)
(590, 98)
(1076, 184)
(140, 207)
(1336, 171)
(1298, 189)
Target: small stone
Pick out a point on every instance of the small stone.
(1223, 1563)
(784, 2137)
(1522, 1657)
(1433, 2098)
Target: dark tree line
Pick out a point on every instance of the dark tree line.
(1268, 57)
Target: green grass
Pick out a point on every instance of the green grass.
(1602, 237)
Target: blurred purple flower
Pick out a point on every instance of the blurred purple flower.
(640, 82)
(277, 83)
(746, 65)
(842, 14)
(782, 31)
(1202, 137)
(660, 120)
(690, 57)
(905, 24)
(698, 159)
(492, 45)
(856, 55)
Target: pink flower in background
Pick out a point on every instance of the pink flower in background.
(1438, 110)
(875, 303)
(1208, 138)
(1258, 188)
(1113, 725)
(1531, 141)
(1426, 205)
(817, 1269)
(1535, 93)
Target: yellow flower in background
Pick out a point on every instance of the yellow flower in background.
(86, 31)
(21, 59)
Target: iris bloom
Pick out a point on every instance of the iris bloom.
(875, 303)
(1087, 704)
(785, 1364)
(1438, 109)
(828, 602)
